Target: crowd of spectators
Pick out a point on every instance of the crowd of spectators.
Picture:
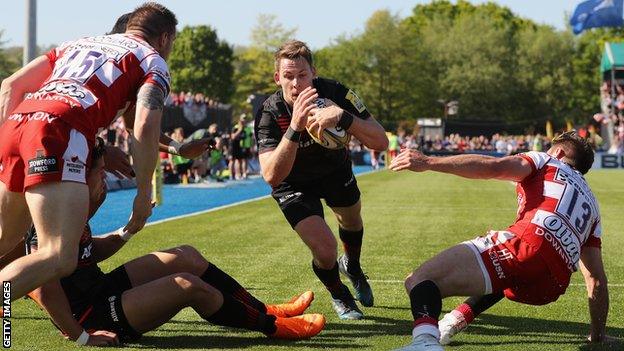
(609, 123)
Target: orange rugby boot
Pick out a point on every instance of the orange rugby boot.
(299, 327)
(295, 307)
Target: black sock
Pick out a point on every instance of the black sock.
(330, 278)
(426, 301)
(229, 286)
(352, 244)
(478, 304)
(234, 313)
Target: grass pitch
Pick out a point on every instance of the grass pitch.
(408, 218)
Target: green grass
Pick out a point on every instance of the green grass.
(408, 218)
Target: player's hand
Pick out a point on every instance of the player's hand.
(410, 159)
(321, 118)
(141, 210)
(302, 107)
(116, 162)
(196, 148)
(102, 338)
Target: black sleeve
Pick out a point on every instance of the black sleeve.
(267, 131)
(344, 97)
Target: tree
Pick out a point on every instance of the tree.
(254, 65)
(9, 62)
(201, 63)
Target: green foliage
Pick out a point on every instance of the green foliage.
(254, 65)
(10, 60)
(202, 63)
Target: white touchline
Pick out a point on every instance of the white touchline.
(397, 281)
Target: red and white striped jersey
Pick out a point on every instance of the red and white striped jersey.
(557, 212)
(95, 79)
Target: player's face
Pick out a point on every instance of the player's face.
(294, 76)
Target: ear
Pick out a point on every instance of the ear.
(313, 71)
(276, 77)
(558, 152)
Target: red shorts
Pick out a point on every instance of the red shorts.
(512, 266)
(38, 148)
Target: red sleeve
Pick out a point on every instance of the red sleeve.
(532, 163)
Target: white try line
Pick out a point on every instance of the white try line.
(229, 205)
(397, 281)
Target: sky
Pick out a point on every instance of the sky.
(318, 22)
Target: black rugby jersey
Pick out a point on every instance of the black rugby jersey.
(313, 161)
(86, 280)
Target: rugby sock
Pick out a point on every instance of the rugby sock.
(475, 305)
(229, 286)
(330, 278)
(234, 313)
(426, 302)
(352, 244)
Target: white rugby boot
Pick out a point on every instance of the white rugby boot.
(451, 324)
(423, 342)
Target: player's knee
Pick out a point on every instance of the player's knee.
(411, 280)
(63, 263)
(187, 282)
(326, 257)
(192, 258)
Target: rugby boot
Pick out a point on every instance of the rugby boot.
(451, 324)
(299, 327)
(345, 305)
(295, 307)
(423, 342)
(363, 291)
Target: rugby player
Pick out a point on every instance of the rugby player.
(94, 308)
(557, 230)
(301, 172)
(50, 112)
(190, 149)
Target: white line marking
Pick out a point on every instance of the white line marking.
(397, 281)
(226, 206)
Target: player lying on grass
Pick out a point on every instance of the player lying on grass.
(95, 308)
(557, 230)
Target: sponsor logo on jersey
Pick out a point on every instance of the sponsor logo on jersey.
(288, 197)
(350, 181)
(355, 101)
(86, 253)
(563, 240)
(36, 116)
(42, 165)
(74, 165)
(113, 311)
(497, 266)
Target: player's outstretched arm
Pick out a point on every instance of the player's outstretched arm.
(597, 292)
(26, 80)
(191, 149)
(146, 133)
(514, 168)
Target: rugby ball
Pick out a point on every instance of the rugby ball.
(333, 138)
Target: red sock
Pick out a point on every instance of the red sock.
(465, 311)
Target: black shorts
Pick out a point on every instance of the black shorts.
(106, 311)
(299, 201)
